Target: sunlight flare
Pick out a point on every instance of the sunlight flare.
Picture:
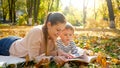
(78, 4)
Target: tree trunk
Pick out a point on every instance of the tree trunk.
(10, 12)
(95, 14)
(29, 11)
(111, 14)
(57, 7)
(50, 8)
(84, 11)
(36, 9)
(50, 3)
(30, 21)
(35, 4)
(118, 4)
(3, 11)
(13, 12)
(4, 15)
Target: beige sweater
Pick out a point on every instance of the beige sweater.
(32, 44)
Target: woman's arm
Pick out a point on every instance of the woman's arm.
(33, 42)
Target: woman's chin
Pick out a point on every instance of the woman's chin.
(54, 38)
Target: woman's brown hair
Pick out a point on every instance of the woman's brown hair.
(53, 18)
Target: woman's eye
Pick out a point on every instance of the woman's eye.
(58, 29)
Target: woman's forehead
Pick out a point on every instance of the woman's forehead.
(60, 25)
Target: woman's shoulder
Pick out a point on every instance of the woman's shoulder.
(37, 28)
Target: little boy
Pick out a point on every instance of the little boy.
(66, 42)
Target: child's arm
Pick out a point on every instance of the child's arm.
(62, 53)
(74, 49)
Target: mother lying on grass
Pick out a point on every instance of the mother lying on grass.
(39, 42)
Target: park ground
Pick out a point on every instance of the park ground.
(106, 42)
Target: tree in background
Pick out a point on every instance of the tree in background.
(50, 3)
(111, 14)
(84, 10)
(53, 5)
(4, 7)
(116, 9)
(39, 8)
(73, 15)
(36, 10)
(118, 4)
(57, 4)
(29, 4)
(32, 10)
(12, 12)
(95, 13)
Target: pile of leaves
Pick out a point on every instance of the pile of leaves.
(106, 47)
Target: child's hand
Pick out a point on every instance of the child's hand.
(68, 56)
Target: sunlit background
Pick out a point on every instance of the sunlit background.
(77, 9)
(77, 12)
(91, 5)
(78, 4)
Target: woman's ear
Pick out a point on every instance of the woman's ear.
(49, 24)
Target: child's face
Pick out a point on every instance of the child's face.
(67, 35)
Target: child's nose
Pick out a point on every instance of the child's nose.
(68, 36)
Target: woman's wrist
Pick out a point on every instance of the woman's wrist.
(51, 58)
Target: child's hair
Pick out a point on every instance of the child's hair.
(69, 26)
(54, 18)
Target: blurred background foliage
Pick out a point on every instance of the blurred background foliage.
(33, 12)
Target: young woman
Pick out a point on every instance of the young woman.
(40, 40)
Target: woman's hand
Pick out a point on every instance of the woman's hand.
(68, 56)
(60, 60)
(42, 59)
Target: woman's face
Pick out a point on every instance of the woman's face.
(55, 30)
